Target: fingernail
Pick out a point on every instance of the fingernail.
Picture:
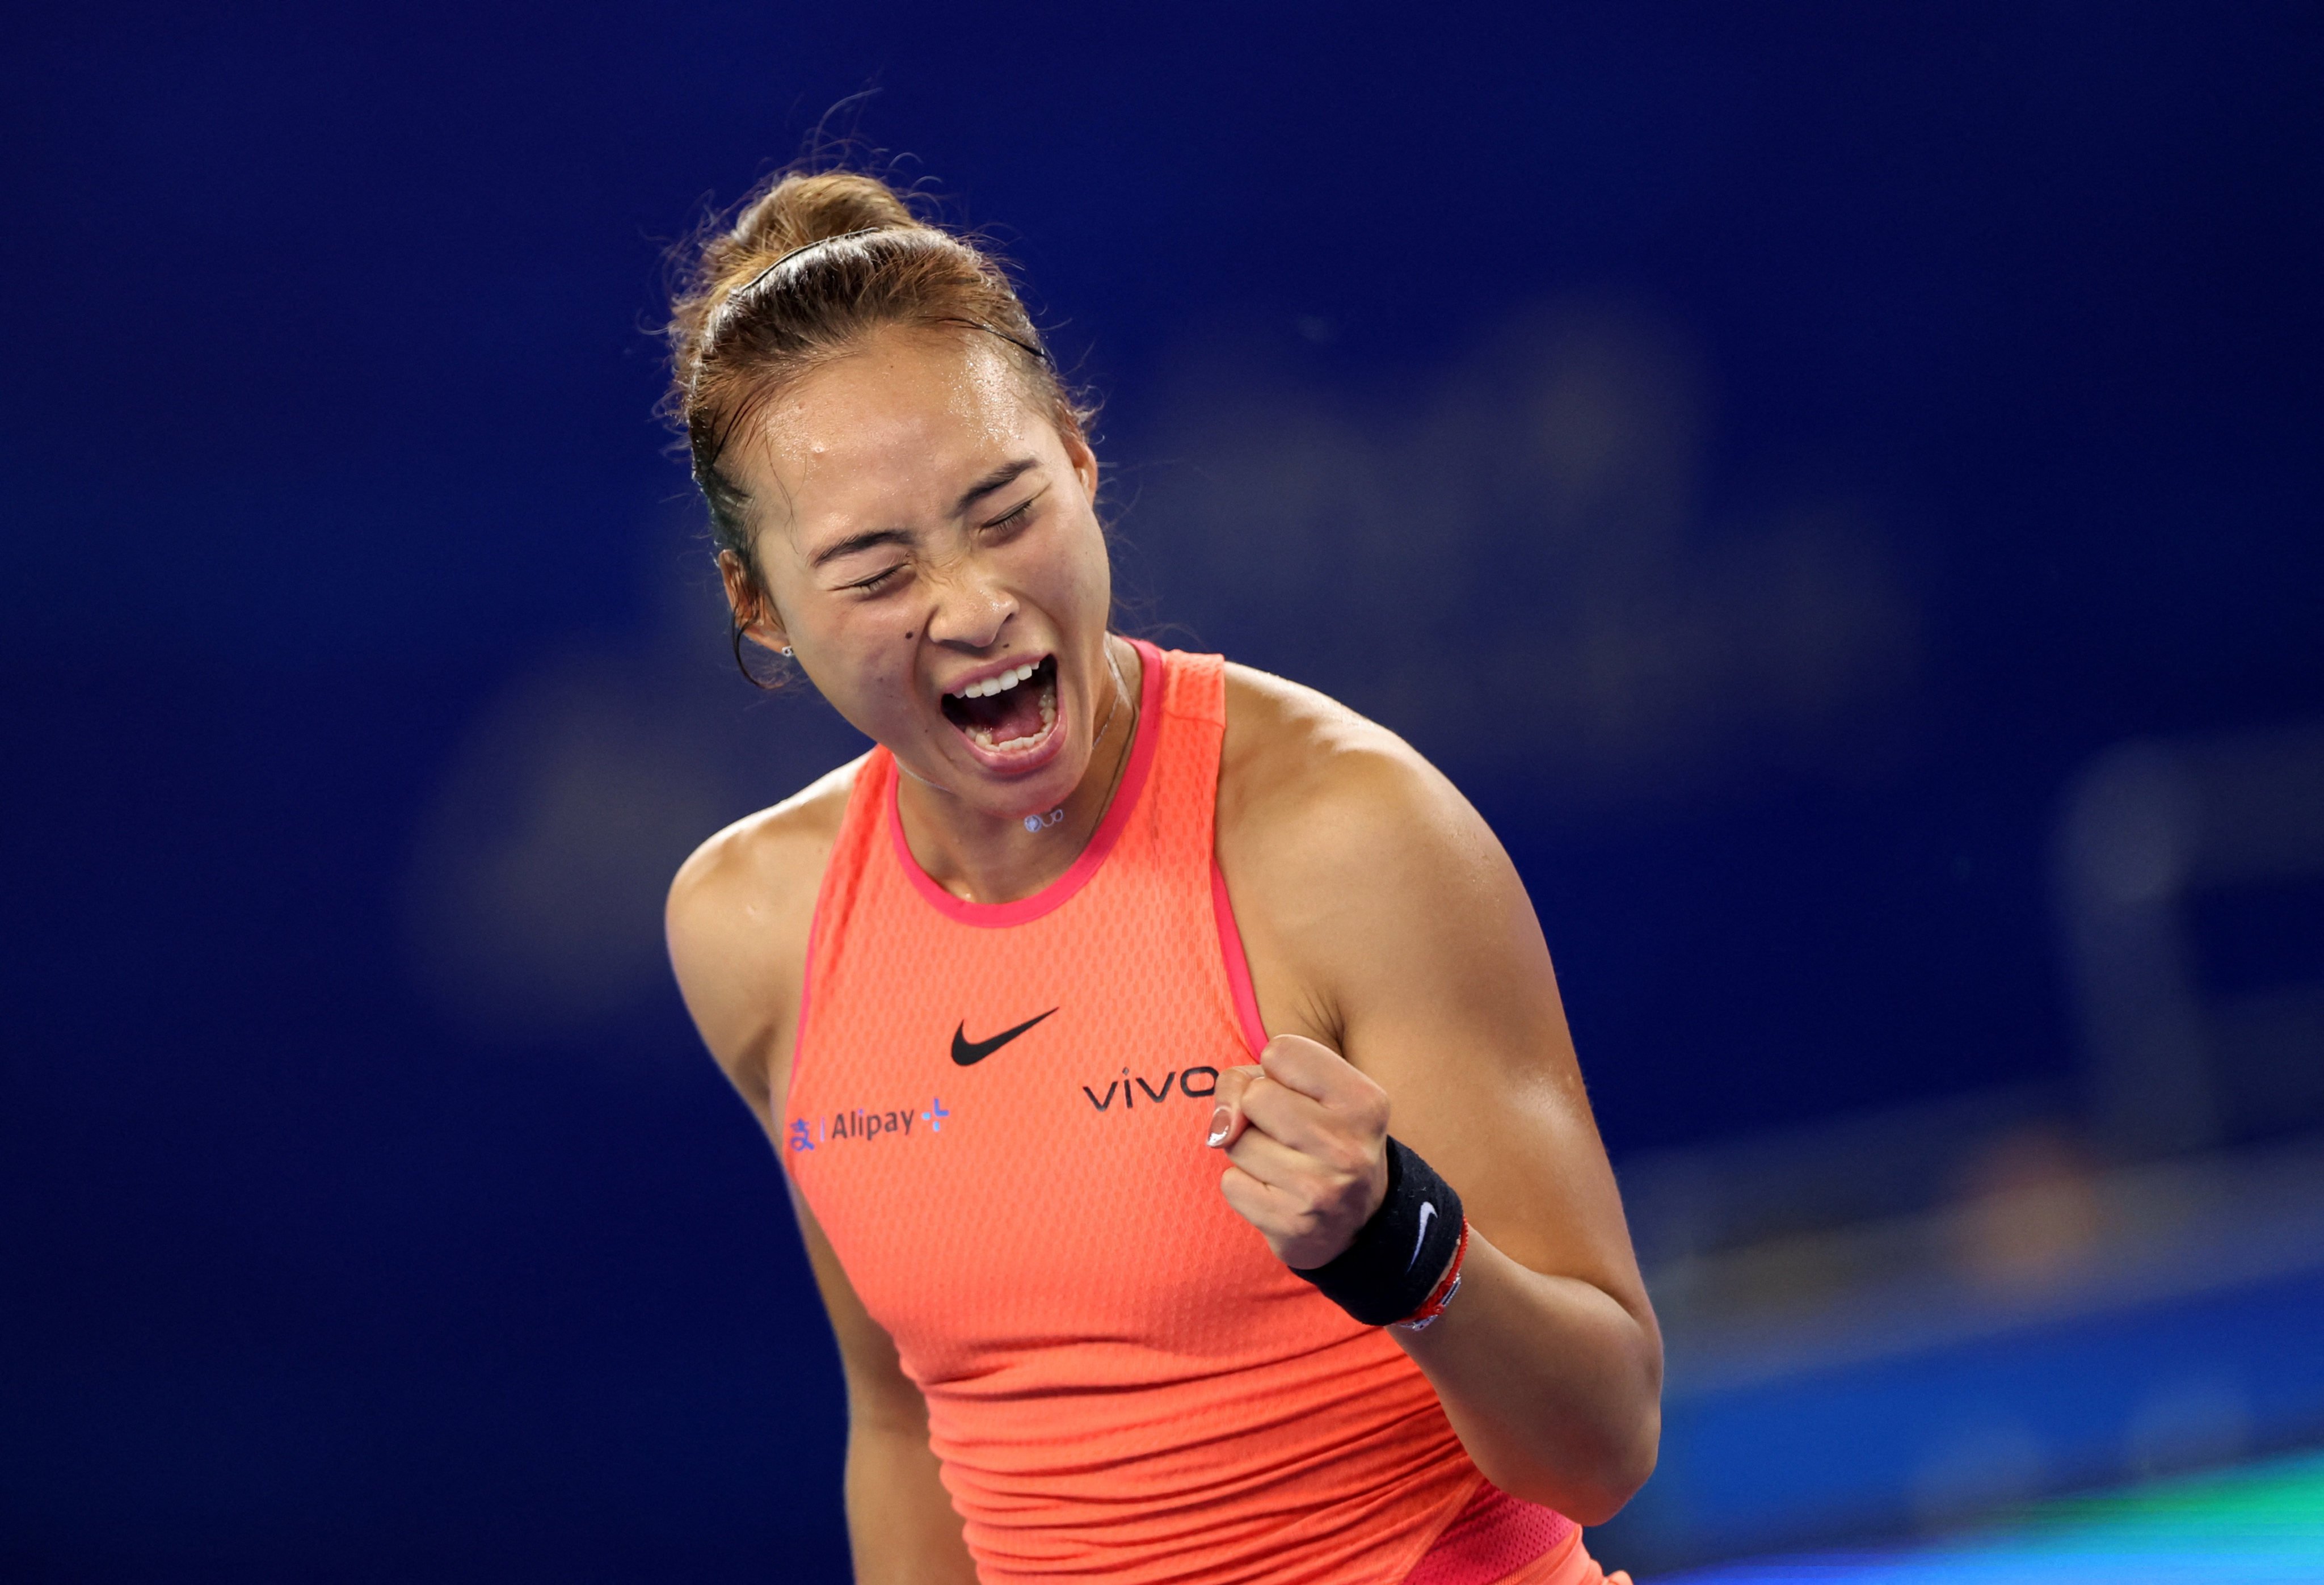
(1221, 1120)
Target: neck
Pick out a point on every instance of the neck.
(987, 859)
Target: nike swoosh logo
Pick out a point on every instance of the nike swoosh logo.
(968, 1053)
(1427, 1210)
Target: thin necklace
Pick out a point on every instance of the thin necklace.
(1121, 763)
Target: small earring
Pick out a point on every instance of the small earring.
(786, 650)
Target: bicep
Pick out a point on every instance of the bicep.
(729, 935)
(732, 970)
(1445, 995)
(1496, 1104)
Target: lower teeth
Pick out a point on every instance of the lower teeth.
(983, 736)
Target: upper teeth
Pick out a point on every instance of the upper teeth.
(998, 685)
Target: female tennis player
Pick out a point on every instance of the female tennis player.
(1167, 1062)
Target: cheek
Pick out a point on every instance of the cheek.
(863, 655)
(871, 688)
(1074, 565)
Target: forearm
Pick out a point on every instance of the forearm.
(1553, 1387)
(900, 1523)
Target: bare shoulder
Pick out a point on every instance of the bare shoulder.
(1353, 864)
(1304, 775)
(737, 923)
(760, 862)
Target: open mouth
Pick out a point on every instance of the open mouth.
(1010, 714)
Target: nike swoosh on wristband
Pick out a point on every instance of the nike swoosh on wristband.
(1427, 1210)
(968, 1053)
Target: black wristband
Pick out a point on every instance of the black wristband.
(1388, 1272)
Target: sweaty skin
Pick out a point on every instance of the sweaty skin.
(1396, 960)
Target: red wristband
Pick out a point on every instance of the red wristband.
(1441, 1296)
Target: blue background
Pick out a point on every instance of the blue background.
(326, 413)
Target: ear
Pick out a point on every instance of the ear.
(1084, 460)
(754, 613)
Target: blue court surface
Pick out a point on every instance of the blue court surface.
(2261, 1524)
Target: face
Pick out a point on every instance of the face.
(929, 548)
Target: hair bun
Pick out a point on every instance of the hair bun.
(801, 210)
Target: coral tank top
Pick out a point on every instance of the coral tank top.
(996, 1113)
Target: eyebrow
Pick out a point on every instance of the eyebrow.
(872, 539)
(1005, 474)
(869, 539)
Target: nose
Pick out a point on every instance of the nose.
(971, 612)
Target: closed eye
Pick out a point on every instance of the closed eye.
(1015, 517)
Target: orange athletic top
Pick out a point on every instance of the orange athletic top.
(996, 1113)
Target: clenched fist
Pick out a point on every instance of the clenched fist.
(1306, 1137)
